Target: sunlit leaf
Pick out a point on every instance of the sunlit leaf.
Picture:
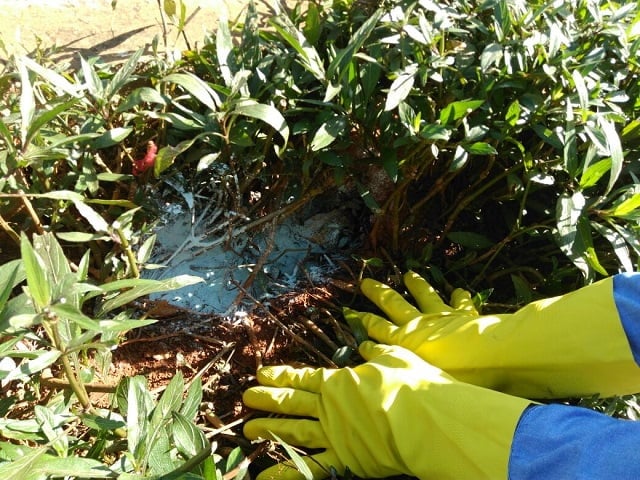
(328, 132)
(456, 110)
(401, 86)
(37, 278)
(197, 87)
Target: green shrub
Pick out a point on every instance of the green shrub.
(495, 143)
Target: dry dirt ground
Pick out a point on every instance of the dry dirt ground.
(94, 27)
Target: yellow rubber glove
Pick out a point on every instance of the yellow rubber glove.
(394, 414)
(572, 345)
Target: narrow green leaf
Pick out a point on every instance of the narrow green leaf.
(615, 150)
(55, 79)
(491, 55)
(124, 75)
(72, 467)
(167, 155)
(37, 278)
(309, 57)
(188, 438)
(191, 404)
(72, 313)
(581, 88)
(138, 405)
(169, 402)
(44, 359)
(46, 116)
(627, 206)
(224, 48)
(481, 148)
(96, 221)
(569, 236)
(27, 103)
(337, 68)
(457, 110)
(92, 79)
(460, 158)
(328, 132)
(196, 87)
(267, 114)
(142, 287)
(297, 460)
(111, 137)
(470, 240)
(11, 274)
(401, 86)
(594, 173)
(618, 244)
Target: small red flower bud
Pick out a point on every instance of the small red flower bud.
(145, 163)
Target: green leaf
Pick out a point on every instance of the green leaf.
(432, 131)
(491, 55)
(472, 240)
(27, 103)
(337, 67)
(44, 359)
(267, 114)
(297, 460)
(224, 48)
(188, 438)
(111, 137)
(170, 7)
(94, 218)
(481, 148)
(457, 110)
(123, 75)
(46, 116)
(72, 466)
(191, 404)
(139, 403)
(140, 287)
(169, 402)
(460, 158)
(22, 468)
(626, 207)
(401, 86)
(615, 150)
(309, 57)
(11, 274)
(196, 87)
(55, 79)
(37, 278)
(167, 155)
(70, 312)
(571, 238)
(618, 244)
(328, 132)
(594, 173)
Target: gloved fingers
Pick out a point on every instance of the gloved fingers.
(461, 301)
(301, 432)
(287, 401)
(424, 294)
(306, 378)
(372, 351)
(377, 327)
(389, 301)
(319, 464)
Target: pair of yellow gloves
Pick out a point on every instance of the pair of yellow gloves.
(400, 413)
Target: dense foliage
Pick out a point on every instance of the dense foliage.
(494, 145)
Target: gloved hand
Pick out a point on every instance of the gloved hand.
(572, 345)
(394, 414)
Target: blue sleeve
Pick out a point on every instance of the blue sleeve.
(626, 294)
(563, 442)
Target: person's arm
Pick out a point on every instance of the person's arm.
(559, 441)
(579, 344)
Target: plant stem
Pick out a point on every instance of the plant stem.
(124, 241)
